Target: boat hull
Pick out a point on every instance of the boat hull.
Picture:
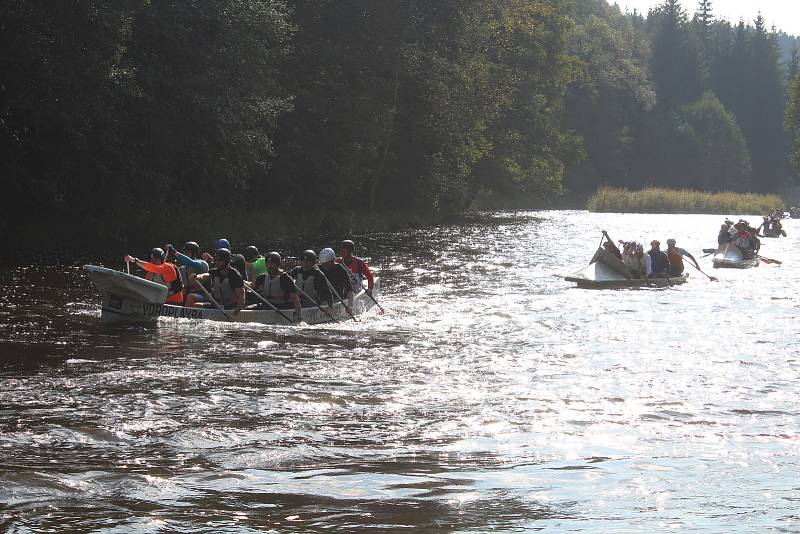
(730, 256)
(606, 271)
(128, 299)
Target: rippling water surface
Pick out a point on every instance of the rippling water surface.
(492, 395)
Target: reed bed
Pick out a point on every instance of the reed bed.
(661, 200)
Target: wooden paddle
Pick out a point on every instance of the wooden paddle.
(327, 313)
(330, 286)
(268, 303)
(205, 291)
(711, 278)
(375, 301)
(769, 260)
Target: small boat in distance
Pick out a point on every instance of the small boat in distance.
(606, 271)
(729, 255)
(128, 299)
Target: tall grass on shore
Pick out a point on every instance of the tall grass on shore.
(660, 200)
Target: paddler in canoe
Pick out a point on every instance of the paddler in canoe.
(227, 285)
(675, 256)
(659, 261)
(277, 287)
(610, 246)
(163, 273)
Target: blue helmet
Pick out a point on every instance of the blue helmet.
(222, 243)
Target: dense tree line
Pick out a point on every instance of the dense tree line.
(122, 116)
(707, 114)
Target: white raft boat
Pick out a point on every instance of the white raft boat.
(729, 255)
(606, 271)
(128, 299)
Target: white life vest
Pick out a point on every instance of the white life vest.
(271, 290)
(306, 283)
(222, 290)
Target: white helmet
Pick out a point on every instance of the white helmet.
(326, 255)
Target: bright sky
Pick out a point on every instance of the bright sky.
(784, 14)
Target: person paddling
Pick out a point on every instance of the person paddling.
(338, 276)
(277, 287)
(163, 273)
(675, 256)
(227, 285)
(724, 235)
(310, 280)
(255, 263)
(357, 266)
(659, 261)
(744, 240)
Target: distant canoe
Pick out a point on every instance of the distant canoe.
(729, 255)
(606, 271)
(774, 233)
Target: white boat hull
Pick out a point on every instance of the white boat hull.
(730, 256)
(606, 271)
(128, 299)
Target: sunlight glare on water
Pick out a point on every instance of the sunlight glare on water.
(492, 395)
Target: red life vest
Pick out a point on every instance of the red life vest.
(675, 260)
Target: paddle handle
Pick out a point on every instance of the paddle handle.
(205, 291)
(330, 286)
(327, 313)
(268, 303)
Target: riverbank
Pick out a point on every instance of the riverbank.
(660, 200)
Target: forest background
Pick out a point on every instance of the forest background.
(135, 121)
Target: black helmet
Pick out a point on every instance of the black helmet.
(274, 257)
(250, 254)
(237, 260)
(223, 253)
(348, 244)
(157, 253)
(192, 247)
(310, 255)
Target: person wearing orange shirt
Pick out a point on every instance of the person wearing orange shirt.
(163, 273)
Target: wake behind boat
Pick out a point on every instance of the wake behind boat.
(128, 299)
(606, 271)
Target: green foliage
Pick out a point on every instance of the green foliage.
(613, 91)
(793, 121)
(719, 160)
(660, 200)
(144, 115)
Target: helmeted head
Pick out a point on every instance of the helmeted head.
(670, 242)
(222, 243)
(157, 254)
(191, 249)
(724, 227)
(308, 258)
(274, 260)
(250, 254)
(346, 248)
(327, 255)
(655, 243)
(237, 262)
(222, 257)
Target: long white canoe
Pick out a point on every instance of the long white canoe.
(729, 255)
(606, 271)
(130, 299)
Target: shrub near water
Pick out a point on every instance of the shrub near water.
(659, 200)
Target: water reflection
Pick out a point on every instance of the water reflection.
(491, 395)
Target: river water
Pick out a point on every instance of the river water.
(491, 396)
